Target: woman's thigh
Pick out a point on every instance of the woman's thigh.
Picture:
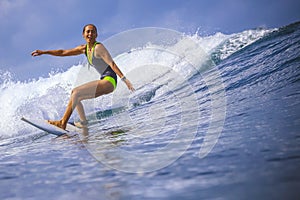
(93, 89)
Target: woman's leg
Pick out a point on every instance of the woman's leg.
(81, 112)
(86, 91)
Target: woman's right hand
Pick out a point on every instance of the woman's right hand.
(37, 53)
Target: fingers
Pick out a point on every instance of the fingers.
(36, 53)
(132, 88)
(129, 85)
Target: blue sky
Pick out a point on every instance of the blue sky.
(27, 25)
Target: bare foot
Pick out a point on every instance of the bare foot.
(59, 124)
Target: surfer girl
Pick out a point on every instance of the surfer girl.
(97, 56)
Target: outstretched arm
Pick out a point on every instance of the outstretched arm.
(101, 52)
(61, 52)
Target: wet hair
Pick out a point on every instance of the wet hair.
(89, 25)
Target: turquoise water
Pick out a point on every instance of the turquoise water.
(123, 153)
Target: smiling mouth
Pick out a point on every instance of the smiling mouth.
(90, 38)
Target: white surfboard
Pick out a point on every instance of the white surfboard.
(45, 126)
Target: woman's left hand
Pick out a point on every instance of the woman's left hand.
(129, 85)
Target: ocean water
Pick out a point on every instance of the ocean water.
(213, 117)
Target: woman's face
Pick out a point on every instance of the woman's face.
(90, 34)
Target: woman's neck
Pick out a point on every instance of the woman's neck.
(90, 45)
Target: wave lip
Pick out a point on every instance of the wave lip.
(235, 42)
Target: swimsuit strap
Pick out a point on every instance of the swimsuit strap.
(90, 58)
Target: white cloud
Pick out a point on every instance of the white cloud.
(8, 7)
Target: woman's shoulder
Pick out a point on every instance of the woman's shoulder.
(81, 48)
(100, 47)
(99, 44)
